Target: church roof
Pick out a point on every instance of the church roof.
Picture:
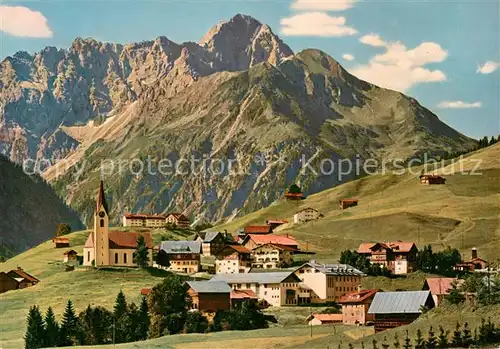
(118, 240)
(101, 198)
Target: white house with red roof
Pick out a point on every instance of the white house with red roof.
(398, 256)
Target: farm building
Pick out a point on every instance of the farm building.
(346, 203)
(431, 179)
(70, 256)
(324, 319)
(209, 296)
(355, 307)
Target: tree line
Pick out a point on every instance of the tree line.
(485, 288)
(164, 312)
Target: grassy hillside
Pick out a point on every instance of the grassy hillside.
(463, 213)
(83, 286)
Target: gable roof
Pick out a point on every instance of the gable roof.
(357, 296)
(60, 240)
(333, 269)
(440, 286)
(348, 200)
(209, 286)
(306, 209)
(70, 252)
(249, 278)
(257, 229)
(179, 216)
(119, 240)
(271, 238)
(399, 302)
(278, 246)
(180, 247)
(327, 317)
(235, 248)
(430, 176)
(22, 274)
(395, 246)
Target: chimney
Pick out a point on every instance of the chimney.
(19, 267)
(474, 253)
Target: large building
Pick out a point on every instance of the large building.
(393, 309)
(272, 256)
(184, 256)
(233, 259)
(398, 256)
(355, 307)
(276, 288)
(104, 248)
(329, 282)
(306, 215)
(140, 220)
(178, 219)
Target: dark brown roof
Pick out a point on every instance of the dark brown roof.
(349, 200)
(70, 252)
(119, 239)
(236, 248)
(21, 273)
(258, 229)
(431, 176)
(357, 296)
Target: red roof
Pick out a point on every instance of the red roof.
(441, 286)
(258, 229)
(143, 216)
(119, 240)
(328, 317)
(396, 246)
(357, 296)
(21, 273)
(278, 246)
(243, 294)
(273, 239)
(145, 291)
(293, 195)
(70, 252)
(349, 200)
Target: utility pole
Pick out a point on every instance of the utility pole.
(310, 322)
(113, 331)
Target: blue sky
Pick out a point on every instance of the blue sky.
(443, 53)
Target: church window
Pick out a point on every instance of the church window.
(125, 258)
(102, 223)
(116, 258)
(88, 256)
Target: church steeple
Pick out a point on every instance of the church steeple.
(101, 199)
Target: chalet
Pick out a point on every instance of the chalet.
(346, 203)
(306, 215)
(146, 291)
(440, 287)
(273, 256)
(473, 264)
(329, 282)
(178, 219)
(60, 242)
(355, 307)
(252, 241)
(143, 220)
(294, 196)
(431, 179)
(209, 296)
(274, 223)
(212, 242)
(258, 229)
(393, 309)
(276, 288)
(70, 256)
(398, 256)
(23, 278)
(184, 256)
(233, 259)
(7, 283)
(324, 319)
(241, 296)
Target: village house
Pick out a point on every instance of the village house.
(306, 215)
(233, 259)
(398, 256)
(294, 196)
(184, 256)
(473, 264)
(252, 241)
(212, 242)
(7, 283)
(393, 309)
(355, 307)
(329, 282)
(274, 223)
(431, 179)
(146, 291)
(60, 242)
(70, 256)
(23, 278)
(324, 319)
(239, 297)
(178, 219)
(346, 203)
(440, 287)
(140, 220)
(105, 248)
(258, 229)
(209, 296)
(272, 256)
(276, 288)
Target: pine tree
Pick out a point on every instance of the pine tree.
(443, 338)
(374, 344)
(466, 336)
(69, 326)
(51, 329)
(419, 341)
(143, 321)
(122, 320)
(431, 341)
(385, 345)
(407, 343)
(141, 254)
(120, 305)
(35, 331)
(396, 343)
(456, 341)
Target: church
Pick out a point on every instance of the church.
(105, 248)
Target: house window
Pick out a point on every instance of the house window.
(102, 223)
(125, 258)
(116, 258)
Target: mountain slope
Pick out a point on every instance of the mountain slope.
(30, 210)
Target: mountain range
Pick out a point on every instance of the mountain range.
(239, 96)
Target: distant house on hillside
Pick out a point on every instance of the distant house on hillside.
(143, 220)
(355, 306)
(324, 319)
(440, 287)
(294, 193)
(258, 229)
(431, 179)
(346, 203)
(7, 283)
(70, 256)
(23, 278)
(473, 264)
(178, 219)
(305, 215)
(398, 256)
(393, 309)
(60, 242)
(274, 223)
(184, 256)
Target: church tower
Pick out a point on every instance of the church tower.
(101, 230)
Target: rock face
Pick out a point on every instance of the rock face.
(240, 96)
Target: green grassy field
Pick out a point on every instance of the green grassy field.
(463, 213)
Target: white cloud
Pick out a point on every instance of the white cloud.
(400, 68)
(315, 24)
(323, 5)
(348, 57)
(21, 21)
(488, 67)
(372, 40)
(458, 105)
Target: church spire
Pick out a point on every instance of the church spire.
(101, 199)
